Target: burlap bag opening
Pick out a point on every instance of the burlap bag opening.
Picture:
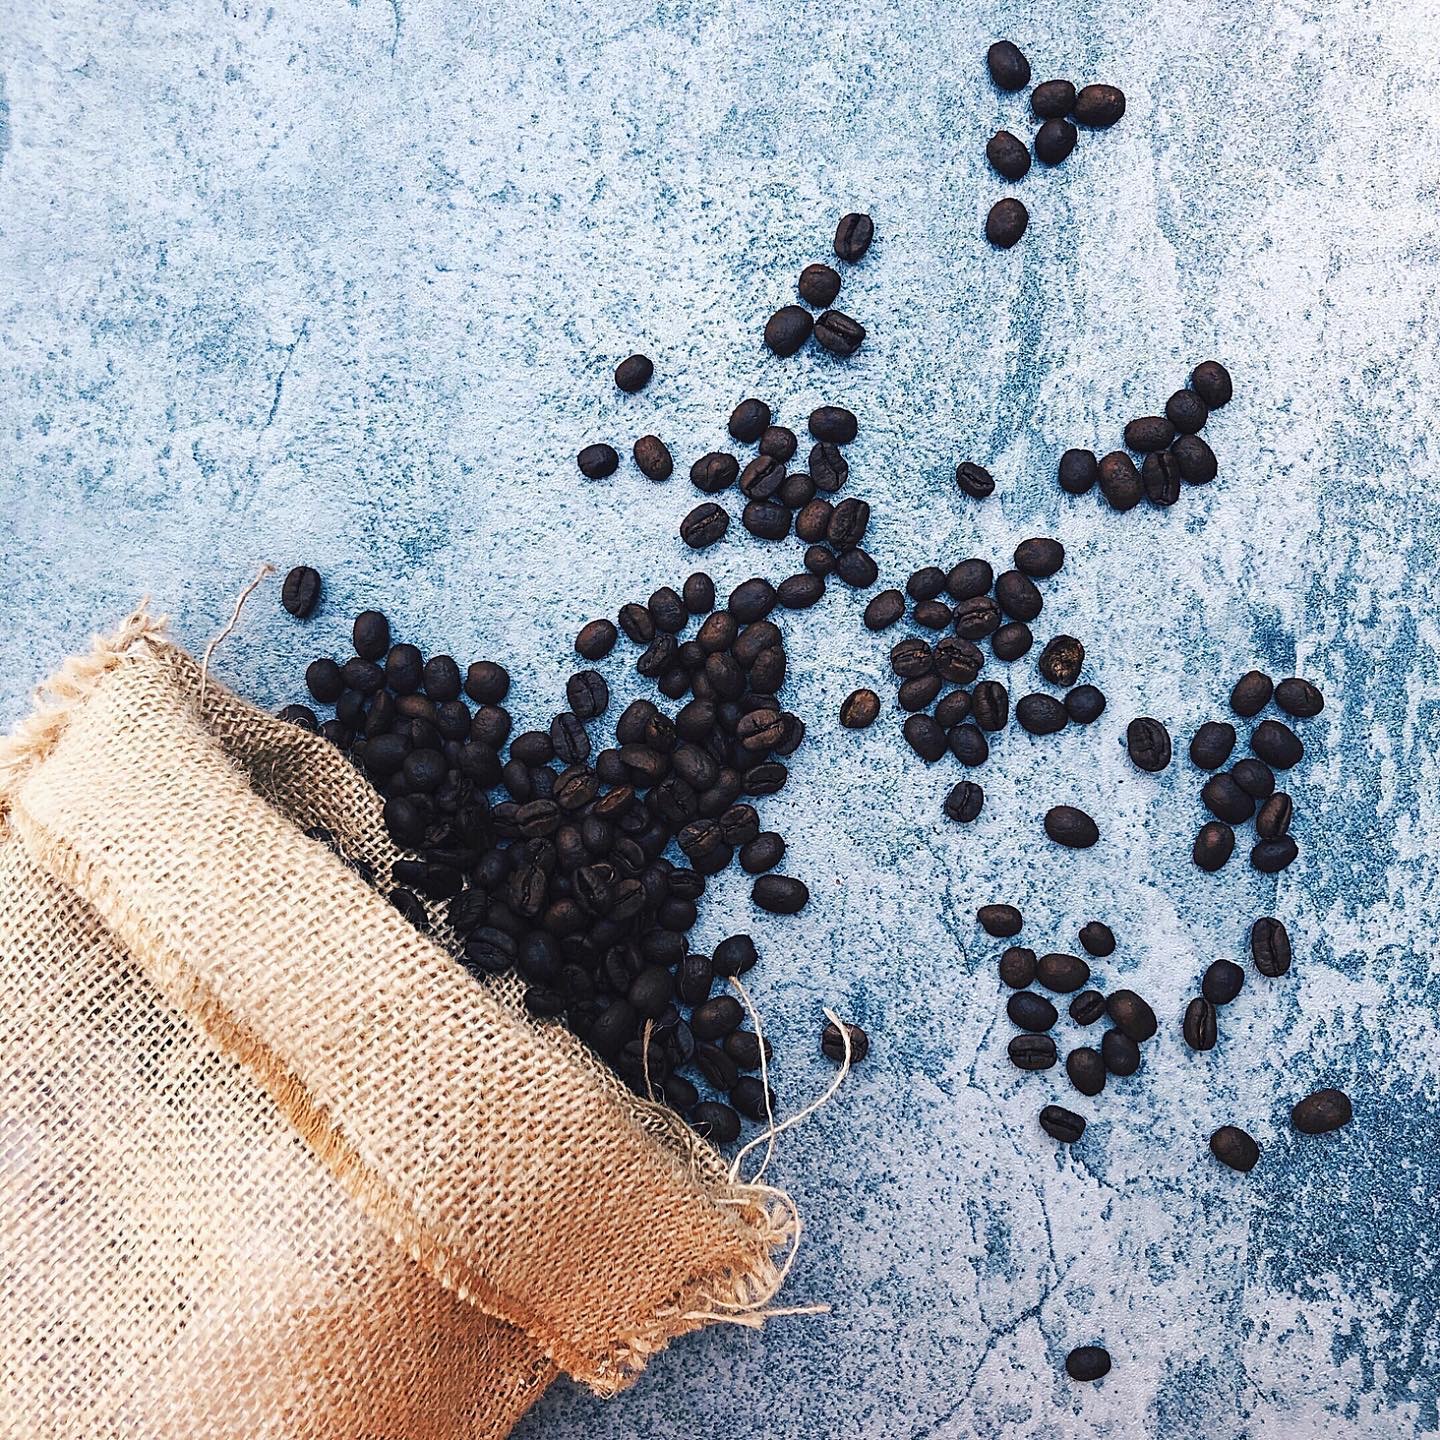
(273, 1164)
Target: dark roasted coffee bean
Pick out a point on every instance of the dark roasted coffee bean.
(1061, 1124)
(713, 1121)
(362, 676)
(990, 705)
(1007, 154)
(800, 592)
(1001, 921)
(813, 521)
(324, 681)
(719, 1070)
(787, 330)
(746, 1049)
(1097, 938)
(778, 443)
(859, 709)
(828, 468)
(1211, 381)
(833, 1043)
(1078, 471)
(1099, 106)
(1198, 1026)
(698, 593)
(1149, 432)
(1009, 68)
(918, 693)
(1226, 801)
(633, 373)
(1322, 1112)
(1086, 1070)
(703, 526)
(780, 894)
(1254, 777)
(1196, 459)
(833, 424)
(693, 979)
(1233, 1147)
(598, 461)
(884, 610)
(442, 678)
(1271, 856)
(1054, 141)
(1018, 966)
(1061, 661)
(567, 735)
(1031, 1011)
(404, 669)
(933, 614)
(1040, 714)
(1160, 478)
(752, 599)
(1052, 99)
(1120, 481)
(1087, 1007)
(924, 737)
(614, 1026)
(301, 715)
(1119, 1052)
(911, 657)
(1148, 743)
(735, 955)
(964, 802)
(1222, 982)
(977, 617)
(594, 642)
(637, 623)
(839, 333)
(370, 634)
(853, 236)
(1214, 845)
(1277, 744)
(1270, 946)
(762, 853)
(1131, 1014)
(766, 520)
(300, 592)
(975, 480)
(968, 744)
(969, 578)
(1006, 223)
(751, 1098)
(1039, 557)
(953, 709)
(1062, 973)
(668, 610)
(1299, 698)
(857, 569)
(819, 285)
(1212, 744)
(1011, 641)
(926, 583)
(958, 660)
(1017, 596)
(1032, 1052)
(1088, 1362)
(716, 1018)
(1251, 693)
(748, 420)
(1187, 412)
(762, 477)
(848, 523)
(714, 472)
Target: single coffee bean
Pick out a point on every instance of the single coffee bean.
(1031, 1011)
(1187, 412)
(1086, 1070)
(1062, 973)
(975, 480)
(778, 442)
(813, 521)
(1006, 223)
(612, 1028)
(800, 592)
(713, 1121)
(819, 285)
(926, 583)
(990, 705)
(1052, 99)
(968, 744)
(1222, 982)
(1299, 698)
(884, 610)
(969, 578)
(1011, 641)
(819, 560)
(1039, 557)
(833, 424)
(924, 737)
(1088, 1362)
(1099, 106)
(405, 670)
(595, 640)
(301, 715)
(958, 660)
(848, 523)
(1251, 693)
(853, 236)
(1131, 1014)
(917, 694)
(370, 635)
(668, 610)
(829, 468)
(787, 330)
(1087, 1007)
(746, 1049)
(859, 709)
(714, 472)
(1271, 856)
(300, 592)
(1097, 938)
(716, 1018)
(780, 894)
(1233, 1147)
(441, 678)
(1054, 141)
(933, 614)
(1007, 154)
(1148, 432)
(832, 1043)
(953, 709)
(1196, 459)
(1001, 921)
(598, 461)
(1017, 596)
(1160, 478)
(634, 373)
(748, 420)
(1062, 1124)
(1274, 818)
(752, 600)
(1211, 382)
(964, 802)
(1198, 1026)
(324, 681)
(1009, 68)
(976, 617)
(1032, 1052)
(762, 853)
(1277, 744)
(735, 955)
(1078, 472)
(1212, 744)
(857, 569)
(1041, 714)
(839, 333)
(653, 458)
(1119, 1052)
(1225, 800)
(361, 676)
(1018, 966)
(766, 520)
(1214, 845)
(911, 657)
(637, 622)
(1061, 661)
(1270, 946)
(761, 478)
(698, 593)
(703, 526)
(1322, 1112)
(1254, 777)
(1120, 481)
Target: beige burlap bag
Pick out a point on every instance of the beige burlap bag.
(272, 1164)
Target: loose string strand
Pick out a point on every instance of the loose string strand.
(265, 571)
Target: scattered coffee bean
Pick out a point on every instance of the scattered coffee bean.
(598, 461)
(969, 578)
(1006, 223)
(766, 520)
(1270, 946)
(1031, 1011)
(1212, 744)
(839, 333)
(964, 802)
(1011, 641)
(828, 468)
(749, 419)
(853, 236)
(703, 526)
(1251, 693)
(1054, 141)
(1017, 596)
(1187, 412)
(968, 744)
(974, 480)
(1299, 698)
(1052, 99)
(1041, 714)
(1148, 743)
(634, 373)
(952, 710)
(1226, 800)
(1097, 938)
(1099, 106)
(1084, 704)
(990, 705)
(833, 424)
(1087, 1007)
(1214, 845)
(762, 853)
(787, 330)
(857, 569)
(1086, 1070)
(1071, 827)
(1211, 382)
(1032, 1052)
(713, 1121)
(1132, 1015)
(1322, 1112)
(819, 285)
(832, 1043)
(859, 709)
(1274, 817)
(1222, 982)
(1160, 478)
(1277, 744)
(300, 592)
(324, 680)
(653, 459)
(1088, 1362)
(1198, 1026)
(1008, 155)
(1001, 921)
(1149, 432)
(1233, 1147)
(596, 640)
(780, 894)
(933, 614)
(1120, 481)
(1271, 856)
(1254, 777)
(1009, 68)
(1061, 1124)
(884, 610)
(1018, 966)
(1079, 470)
(1062, 973)
(301, 715)
(924, 737)
(1119, 1052)
(1198, 465)
(977, 617)
(714, 472)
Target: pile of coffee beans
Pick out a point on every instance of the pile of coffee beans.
(791, 326)
(1170, 445)
(1058, 106)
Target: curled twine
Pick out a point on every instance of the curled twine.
(265, 571)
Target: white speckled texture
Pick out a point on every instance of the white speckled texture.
(343, 283)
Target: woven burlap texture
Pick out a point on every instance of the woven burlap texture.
(272, 1163)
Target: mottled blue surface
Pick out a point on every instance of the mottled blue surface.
(344, 283)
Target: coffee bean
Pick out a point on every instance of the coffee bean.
(714, 472)
(633, 374)
(832, 1043)
(1119, 1052)
(1006, 222)
(976, 617)
(370, 635)
(884, 610)
(1086, 1070)
(857, 569)
(953, 709)
(1233, 1147)
(703, 526)
(1041, 714)
(1271, 856)
(762, 853)
(848, 523)
(1148, 432)
(911, 657)
(1031, 1011)
(1054, 141)
(924, 737)
(1061, 661)
(964, 802)
(968, 744)
(652, 458)
(813, 521)
(833, 425)
(916, 694)
(362, 676)
(1274, 818)
(1009, 68)
(1099, 106)
(1039, 557)
(637, 623)
(933, 614)
(300, 592)
(1198, 465)
(1212, 744)
(1001, 921)
(1251, 693)
(749, 419)
(1211, 382)
(301, 715)
(819, 285)
(1079, 470)
(1222, 982)
(1007, 155)
(1052, 99)
(1062, 1124)
(1322, 1112)
(828, 467)
(1187, 412)
(1011, 641)
(1097, 938)
(853, 236)
(1277, 744)
(958, 660)
(990, 705)
(778, 442)
(735, 955)
(1198, 1026)
(1018, 966)
(975, 480)
(839, 333)
(598, 461)
(859, 709)
(1270, 946)
(761, 478)
(713, 1121)
(746, 1049)
(1131, 1014)
(1087, 1007)
(1213, 845)
(1062, 973)
(441, 678)
(1017, 596)
(787, 330)
(800, 592)
(969, 578)
(1225, 800)
(1299, 698)
(1088, 1362)
(766, 520)
(716, 1018)
(1032, 1052)
(780, 894)
(1120, 481)
(1254, 777)
(1160, 478)
(324, 681)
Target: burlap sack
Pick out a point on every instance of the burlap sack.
(273, 1164)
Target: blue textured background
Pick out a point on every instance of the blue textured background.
(344, 283)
